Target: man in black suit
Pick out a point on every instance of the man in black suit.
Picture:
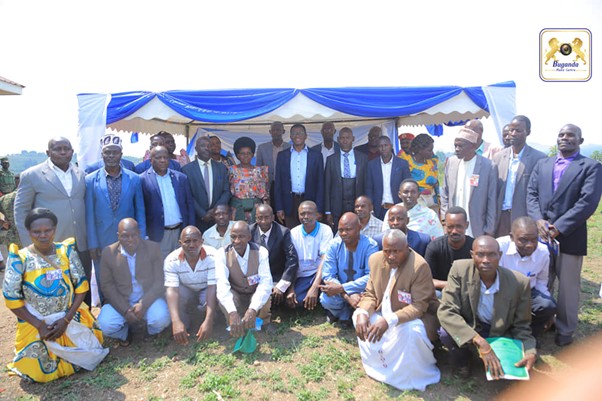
(343, 178)
(284, 261)
(384, 176)
(209, 184)
(328, 147)
(299, 177)
(564, 191)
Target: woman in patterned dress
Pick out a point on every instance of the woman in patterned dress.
(424, 169)
(44, 286)
(249, 184)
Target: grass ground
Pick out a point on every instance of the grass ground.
(306, 360)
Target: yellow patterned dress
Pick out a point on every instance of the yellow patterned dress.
(427, 176)
(29, 282)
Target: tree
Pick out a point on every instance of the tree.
(596, 155)
(553, 151)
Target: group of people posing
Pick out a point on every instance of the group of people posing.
(369, 236)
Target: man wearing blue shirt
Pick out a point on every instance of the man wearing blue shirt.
(345, 271)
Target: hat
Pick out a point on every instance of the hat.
(468, 134)
(110, 140)
(406, 135)
(3, 159)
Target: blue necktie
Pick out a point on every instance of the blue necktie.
(346, 167)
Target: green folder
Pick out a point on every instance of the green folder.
(509, 351)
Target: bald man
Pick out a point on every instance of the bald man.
(502, 299)
(131, 279)
(398, 218)
(244, 281)
(523, 253)
(345, 270)
(393, 332)
(190, 285)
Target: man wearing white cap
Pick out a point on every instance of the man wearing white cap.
(470, 182)
(112, 194)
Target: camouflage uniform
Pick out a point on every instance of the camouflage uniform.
(7, 181)
(7, 203)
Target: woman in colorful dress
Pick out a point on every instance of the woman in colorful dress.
(44, 286)
(424, 169)
(249, 184)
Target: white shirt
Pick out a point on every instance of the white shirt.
(535, 267)
(64, 177)
(202, 166)
(267, 234)
(282, 284)
(462, 196)
(485, 308)
(326, 152)
(179, 272)
(212, 238)
(386, 171)
(352, 166)
(386, 309)
(310, 247)
(224, 289)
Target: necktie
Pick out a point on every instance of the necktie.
(263, 243)
(346, 167)
(206, 179)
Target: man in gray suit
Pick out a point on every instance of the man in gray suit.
(267, 153)
(328, 147)
(344, 178)
(514, 165)
(470, 182)
(60, 186)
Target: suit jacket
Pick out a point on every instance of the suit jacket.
(100, 164)
(413, 277)
(374, 182)
(40, 187)
(318, 148)
(153, 204)
(221, 188)
(314, 181)
(146, 164)
(417, 241)
(526, 165)
(482, 206)
(284, 262)
(333, 181)
(573, 202)
(116, 279)
(101, 220)
(511, 305)
(263, 157)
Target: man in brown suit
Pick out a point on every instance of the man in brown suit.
(482, 300)
(131, 279)
(244, 281)
(394, 316)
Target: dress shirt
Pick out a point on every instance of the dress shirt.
(178, 272)
(535, 267)
(64, 176)
(212, 238)
(298, 169)
(171, 209)
(386, 310)
(352, 166)
(282, 284)
(462, 196)
(386, 170)
(326, 152)
(485, 308)
(511, 180)
(202, 166)
(222, 274)
(114, 187)
(374, 227)
(137, 291)
(310, 247)
(560, 166)
(275, 151)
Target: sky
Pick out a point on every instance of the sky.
(58, 49)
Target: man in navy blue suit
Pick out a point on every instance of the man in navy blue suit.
(159, 139)
(299, 177)
(563, 192)
(384, 176)
(167, 201)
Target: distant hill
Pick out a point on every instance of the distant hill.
(586, 150)
(26, 159)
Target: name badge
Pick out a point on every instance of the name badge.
(252, 280)
(404, 297)
(474, 180)
(55, 274)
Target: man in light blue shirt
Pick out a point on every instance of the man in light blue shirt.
(345, 271)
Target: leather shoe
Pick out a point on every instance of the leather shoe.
(330, 318)
(563, 340)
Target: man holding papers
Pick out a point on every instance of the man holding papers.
(483, 300)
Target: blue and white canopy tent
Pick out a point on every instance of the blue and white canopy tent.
(251, 111)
